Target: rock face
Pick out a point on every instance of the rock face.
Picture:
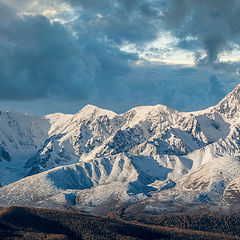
(231, 193)
(97, 156)
(146, 131)
(4, 155)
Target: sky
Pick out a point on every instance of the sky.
(60, 55)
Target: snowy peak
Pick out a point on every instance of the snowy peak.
(90, 111)
(20, 132)
(148, 130)
(148, 113)
(230, 105)
(96, 154)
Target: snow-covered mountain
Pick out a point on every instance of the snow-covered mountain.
(96, 156)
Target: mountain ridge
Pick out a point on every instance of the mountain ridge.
(94, 156)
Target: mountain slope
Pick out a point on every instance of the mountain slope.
(97, 156)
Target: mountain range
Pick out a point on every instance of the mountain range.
(97, 160)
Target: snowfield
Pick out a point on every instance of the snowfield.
(97, 158)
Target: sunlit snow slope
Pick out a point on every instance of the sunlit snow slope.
(96, 156)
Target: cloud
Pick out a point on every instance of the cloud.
(183, 88)
(214, 25)
(41, 59)
(207, 28)
(77, 59)
(134, 21)
(119, 20)
(216, 88)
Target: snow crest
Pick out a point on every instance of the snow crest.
(96, 155)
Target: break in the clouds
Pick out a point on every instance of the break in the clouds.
(102, 52)
(205, 27)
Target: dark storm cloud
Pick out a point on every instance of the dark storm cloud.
(134, 21)
(43, 60)
(215, 24)
(212, 26)
(40, 59)
(209, 25)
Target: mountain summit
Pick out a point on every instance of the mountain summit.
(150, 154)
(230, 105)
